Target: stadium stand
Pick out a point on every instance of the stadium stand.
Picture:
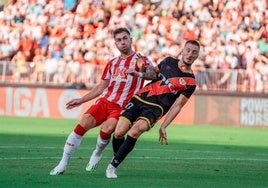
(67, 43)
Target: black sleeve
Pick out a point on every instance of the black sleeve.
(164, 61)
(189, 91)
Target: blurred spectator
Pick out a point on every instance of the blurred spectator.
(26, 46)
(38, 74)
(259, 74)
(74, 70)
(51, 66)
(231, 32)
(18, 18)
(70, 4)
(263, 45)
(61, 74)
(21, 73)
(201, 75)
(6, 49)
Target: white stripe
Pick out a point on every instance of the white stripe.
(117, 83)
(137, 149)
(149, 157)
(146, 157)
(110, 73)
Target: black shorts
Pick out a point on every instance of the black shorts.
(140, 109)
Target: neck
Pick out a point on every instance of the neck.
(184, 67)
(124, 55)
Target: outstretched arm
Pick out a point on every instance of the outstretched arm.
(93, 93)
(173, 112)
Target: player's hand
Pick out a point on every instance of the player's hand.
(163, 136)
(131, 71)
(140, 62)
(73, 103)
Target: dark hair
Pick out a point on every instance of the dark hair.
(120, 30)
(194, 42)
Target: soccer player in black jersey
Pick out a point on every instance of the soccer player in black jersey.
(173, 82)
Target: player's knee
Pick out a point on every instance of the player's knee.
(119, 134)
(88, 121)
(137, 130)
(135, 133)
(108, 130)
(108, 127)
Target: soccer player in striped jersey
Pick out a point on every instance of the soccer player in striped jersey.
(172, 85)
(114, 91)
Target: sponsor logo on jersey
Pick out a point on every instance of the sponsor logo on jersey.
(168, 83)
(120, 74)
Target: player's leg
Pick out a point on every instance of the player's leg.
(136, 130)
(139, 127)
(131, 113)
(74, 139)
(148, 116)
(112, 112)
(103, 140)
(121, 129)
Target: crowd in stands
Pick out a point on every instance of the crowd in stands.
(61, 41)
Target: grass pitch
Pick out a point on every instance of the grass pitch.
(197, 156)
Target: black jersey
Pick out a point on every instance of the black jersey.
(170, 83)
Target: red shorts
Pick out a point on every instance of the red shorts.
(103, 110)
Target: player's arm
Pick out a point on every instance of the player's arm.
(93, 93)
(150, 73)
(173, 112)
(147, 72)
(146, 69)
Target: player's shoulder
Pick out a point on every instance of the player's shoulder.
(113, 59)
(170, 59)
(173, 59)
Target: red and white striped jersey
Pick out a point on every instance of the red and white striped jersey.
(122, 86)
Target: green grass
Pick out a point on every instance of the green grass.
(197, 156)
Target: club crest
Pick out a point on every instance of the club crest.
(182, 81)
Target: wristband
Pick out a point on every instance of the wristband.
(140, 74)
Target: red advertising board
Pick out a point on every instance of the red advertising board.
(200, 109)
